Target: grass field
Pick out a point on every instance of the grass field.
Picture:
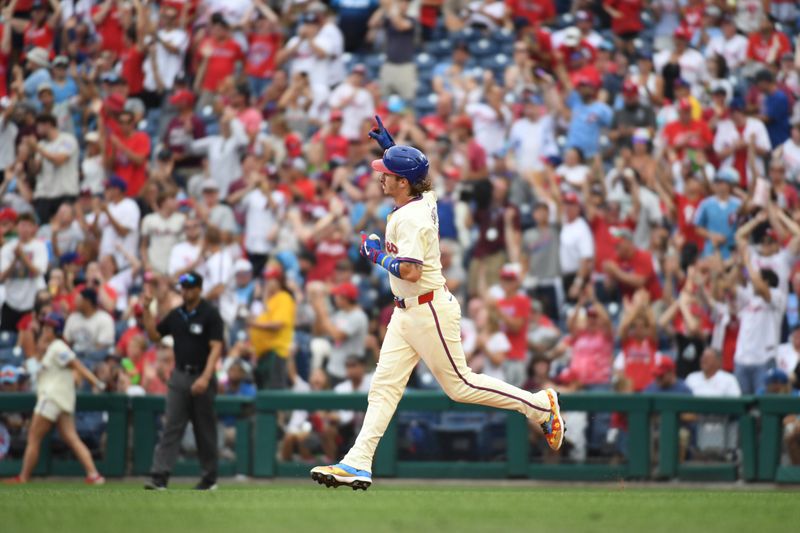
(66, 507)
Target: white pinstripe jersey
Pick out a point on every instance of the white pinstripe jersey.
(412, 235)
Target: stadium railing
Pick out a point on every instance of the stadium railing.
(760, 437)
(772, 410)
(147, 411)
(113, 458)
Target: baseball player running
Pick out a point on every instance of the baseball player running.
(425, 322)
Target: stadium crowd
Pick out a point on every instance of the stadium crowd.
(617, 185)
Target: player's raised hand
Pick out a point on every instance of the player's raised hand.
(381, 135)
(370, 247)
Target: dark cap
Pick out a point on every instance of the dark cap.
(90, 295)
(115, 182)
(191, 280)
(219, 18)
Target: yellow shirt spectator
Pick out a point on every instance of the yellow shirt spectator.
(264, 336)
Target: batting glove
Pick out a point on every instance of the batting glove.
(380, 134)
(370, 248)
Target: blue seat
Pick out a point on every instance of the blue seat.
(482, 48)
(425, 61)
(8, 357)
(374, 62)
(503, 37)
(8, 339)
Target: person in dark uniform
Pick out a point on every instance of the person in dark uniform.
(197, 330)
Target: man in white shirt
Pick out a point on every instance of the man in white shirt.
(224, 151)
(714, 432)
(309, 51)
(760, 307)
(730, 45)
(263, 210)
(532, 138)
(490, 120)
(692, 64)
(576, 248)
(163, 66)
(23, 262)
(117, 223)
(218, 274)
(8, 134)
(355, 102)
(733, 137)
(186, 256)
(711, 380)
(161, 231)
(56, 164)
(89, 329)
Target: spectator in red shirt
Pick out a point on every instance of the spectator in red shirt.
(328, 144)
(540, 47)
(218, 55)
(514, 310)
(467, 154)
(435, 125)
(263, 42)
(637, 333)
(5, 50)
(591, 338)
(531, 12)
(687, 132)
(131, 59)
(682, 208)
(767, 45)
(129, 151)
(39, 31)
(108, 17)
(632, 269)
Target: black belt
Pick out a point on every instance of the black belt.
(190, 369)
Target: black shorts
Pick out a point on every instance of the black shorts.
(10, 317)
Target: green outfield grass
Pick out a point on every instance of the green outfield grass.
(65, 507)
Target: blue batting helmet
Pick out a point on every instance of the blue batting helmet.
(403, 161)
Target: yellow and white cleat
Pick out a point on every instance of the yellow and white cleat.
(554, 428)
(338, 475)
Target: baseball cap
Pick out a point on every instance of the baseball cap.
(114, 103)
(293, 144)
(572, 37)
(737, 104)
(336, 114)
(89, 294)
(346, 289)
(191, 280)
(622, 233)
(776, 376)
(8, 214)
(44, 86)
(640, 135)
(583, 16)
(116, 182)
(92, 137)
(462, 121)
(663, 365)
(56, 320)
(359, 68)
(273, 272)
(682, 32)
(39, 56)
(395, 104)
(242, 265)
(510, 271)
(629, 88)
(219, 18)
(182, 97)
(771, 234)
(571, 198)
(684, 104)
(209, 184)
(61, 61)
(680, 83)
(727, 175)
